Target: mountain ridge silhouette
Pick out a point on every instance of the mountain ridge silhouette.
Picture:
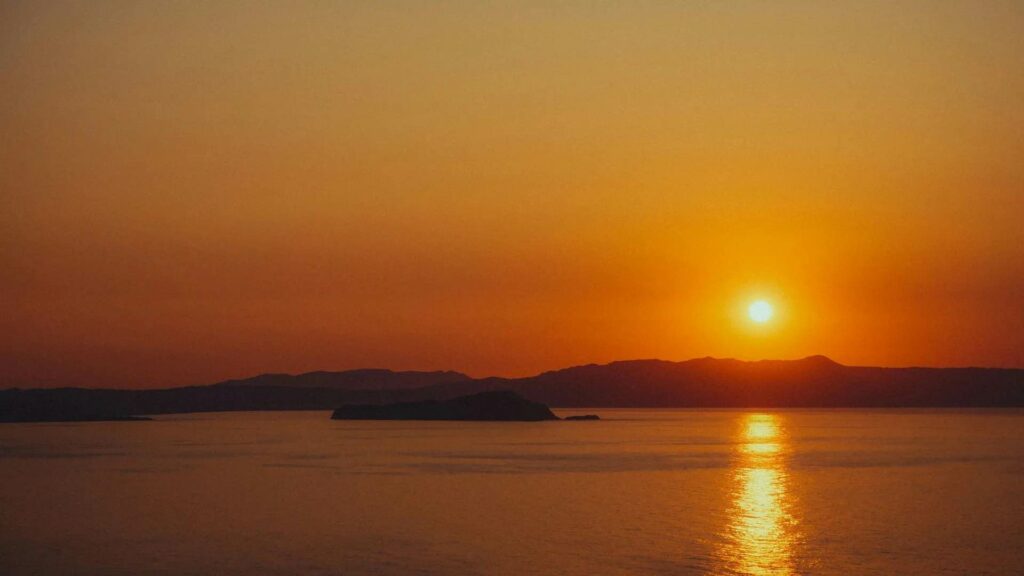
(811, 382)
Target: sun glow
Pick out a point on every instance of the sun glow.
(760, 311)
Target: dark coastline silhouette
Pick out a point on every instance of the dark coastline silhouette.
(815, 381)
(494, 405)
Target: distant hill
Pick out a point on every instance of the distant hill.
(309, 391)
(815, 381)
(364, 379)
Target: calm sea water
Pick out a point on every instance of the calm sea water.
(641, 492)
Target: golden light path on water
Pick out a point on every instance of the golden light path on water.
(761, 530)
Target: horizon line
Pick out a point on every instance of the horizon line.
(818, 357)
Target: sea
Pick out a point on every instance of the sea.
(773, 492)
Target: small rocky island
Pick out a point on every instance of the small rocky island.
(501, 405)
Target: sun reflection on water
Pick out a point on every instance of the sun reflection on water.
(761, 531)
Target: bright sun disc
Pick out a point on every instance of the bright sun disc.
(760, 311)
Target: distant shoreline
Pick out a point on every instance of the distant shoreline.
(813, 382)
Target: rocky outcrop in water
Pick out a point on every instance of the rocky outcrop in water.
(498, 405)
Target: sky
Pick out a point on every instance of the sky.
(194, 191)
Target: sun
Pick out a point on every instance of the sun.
(760, 311)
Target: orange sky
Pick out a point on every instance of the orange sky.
(196, 191)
